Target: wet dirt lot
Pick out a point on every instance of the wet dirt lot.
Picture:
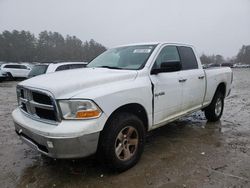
(187, 153)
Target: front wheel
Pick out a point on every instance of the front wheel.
(122, 141)
(214, 111)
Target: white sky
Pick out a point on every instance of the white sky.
(212, 26)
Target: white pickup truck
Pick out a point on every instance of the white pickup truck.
(108, 107)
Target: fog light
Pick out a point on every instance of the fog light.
(50, 144)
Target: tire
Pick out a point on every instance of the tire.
(122, 142)
(214, 111)
(10, 76)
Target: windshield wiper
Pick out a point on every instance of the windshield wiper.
(109, 67)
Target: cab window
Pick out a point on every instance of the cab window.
(168, 54)
(188, 58)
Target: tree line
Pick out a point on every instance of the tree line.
(242, 57)
(23, 46)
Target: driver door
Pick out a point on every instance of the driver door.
(167, 88)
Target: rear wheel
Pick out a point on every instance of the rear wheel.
(214, 111)
(122, 141)
(10, 76)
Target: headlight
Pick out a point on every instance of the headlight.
(18, 92)
(79, 109)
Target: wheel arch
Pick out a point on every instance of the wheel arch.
(134, 108)
(210, 110)
(222, 88)
(105, 150)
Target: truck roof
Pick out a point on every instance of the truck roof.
(156, 43)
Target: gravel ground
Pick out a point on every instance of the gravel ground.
(187, 153)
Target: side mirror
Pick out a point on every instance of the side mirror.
(170, 66)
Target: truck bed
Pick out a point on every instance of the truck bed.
(215, 76)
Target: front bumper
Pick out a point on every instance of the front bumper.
(3, 74)
(55, 146)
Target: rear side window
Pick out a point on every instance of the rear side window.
(188, 58)
(23, 67)
(10, 66)
(15, 66)
(70, 66)
(75, 66)
(62, 67)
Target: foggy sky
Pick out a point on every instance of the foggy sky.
(212, 26)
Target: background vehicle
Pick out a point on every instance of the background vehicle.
(54, 67)
(227, 65)
(109, 106)
(239, 65)
(2, 75)
(213, 65)
(15, 70)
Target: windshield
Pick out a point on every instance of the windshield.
(128, 57)
(37, 70)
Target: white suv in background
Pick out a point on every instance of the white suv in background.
(15, 70)
(2, 75)
(54, 67)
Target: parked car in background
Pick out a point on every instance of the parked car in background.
(54, 67)
(15, 70)
(2, 75)
(204, 66)
(239, 65)
(213, 65)
(227, 65)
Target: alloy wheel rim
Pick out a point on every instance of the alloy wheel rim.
(126, 143)
(218, 107)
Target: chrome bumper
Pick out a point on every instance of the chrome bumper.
(60, 147)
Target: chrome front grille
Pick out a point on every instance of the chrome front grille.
(37, 104)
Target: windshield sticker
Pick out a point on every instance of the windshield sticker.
(144, 51)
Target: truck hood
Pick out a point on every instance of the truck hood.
(66, 84)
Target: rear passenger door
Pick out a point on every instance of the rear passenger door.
(193, 80)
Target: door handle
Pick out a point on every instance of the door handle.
(182, 80)
(201, 77)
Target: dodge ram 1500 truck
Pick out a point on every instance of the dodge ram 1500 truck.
(108, 107)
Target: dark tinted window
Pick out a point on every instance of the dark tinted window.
(23, 67)
(167, 54)
(15, 66)
(11, 66)
(37, 70)
(62, 67)
(70, 66)
(188, 58)
(8, 66)
(75, 66)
